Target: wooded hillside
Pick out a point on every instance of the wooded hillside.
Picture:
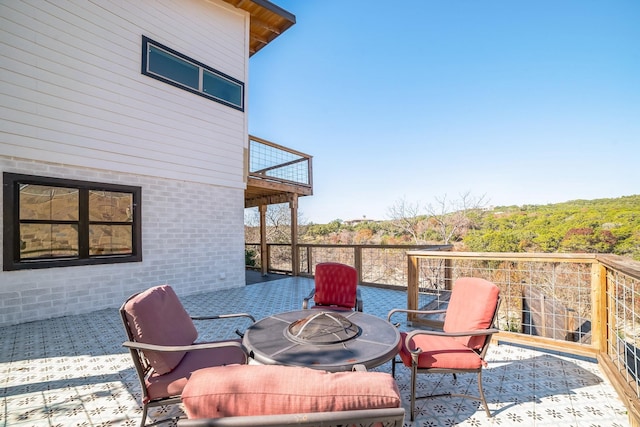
(595, 226)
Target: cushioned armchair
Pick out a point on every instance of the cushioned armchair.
(336, 288)
(162, 342)
(462, 344)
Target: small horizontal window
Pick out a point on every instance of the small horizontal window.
(51, 222)
(162, 63)
(174, 68)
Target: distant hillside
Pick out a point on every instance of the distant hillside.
(600, 226)
(595, 226)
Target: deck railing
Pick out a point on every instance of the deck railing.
(272, 162)
(383, 265)
(583, 304)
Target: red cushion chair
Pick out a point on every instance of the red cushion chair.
(336, 288)
(161, 340)
(462, 344)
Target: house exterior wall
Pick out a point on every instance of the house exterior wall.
(75, 105)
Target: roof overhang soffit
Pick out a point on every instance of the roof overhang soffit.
(268, 21)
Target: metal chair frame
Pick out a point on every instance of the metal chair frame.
(386, 417)
(143, 367)
(415, 370)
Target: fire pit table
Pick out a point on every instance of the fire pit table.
(322, 339)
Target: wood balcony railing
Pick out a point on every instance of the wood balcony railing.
(275, 173)
(582, 304)
(377, 265)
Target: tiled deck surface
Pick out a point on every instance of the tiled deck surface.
(73, 371)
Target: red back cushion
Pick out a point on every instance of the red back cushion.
(336, 284)
(472, 306)
(156, 316)
(245, 390)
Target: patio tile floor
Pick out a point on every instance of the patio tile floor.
(73, 370)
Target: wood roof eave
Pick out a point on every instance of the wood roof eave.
(268, 21)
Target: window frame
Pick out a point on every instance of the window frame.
(11, 223)
(146, 42)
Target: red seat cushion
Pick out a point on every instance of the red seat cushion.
(335, 284)
(471, 307)
(248, 390)
(440, 352)
(156, 316)
(172, 384)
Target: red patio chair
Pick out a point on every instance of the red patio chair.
(462, 344)
(336, 288)
(162, 342)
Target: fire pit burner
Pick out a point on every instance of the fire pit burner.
(322, 328)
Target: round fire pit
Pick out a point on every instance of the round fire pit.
(322, 328)
(330, 340)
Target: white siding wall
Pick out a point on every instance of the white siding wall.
(73, 93)
(192, 239)
(75, 105)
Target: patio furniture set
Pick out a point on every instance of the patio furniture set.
(307, 367)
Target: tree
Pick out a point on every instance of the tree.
(405, 217)
(278, 219)
(453, 218)
(278, 223)
(363, 236)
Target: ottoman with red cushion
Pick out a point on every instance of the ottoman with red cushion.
(250, 390)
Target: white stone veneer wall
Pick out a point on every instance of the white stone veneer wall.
(192, 239)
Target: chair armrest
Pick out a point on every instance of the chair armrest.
(169, 348)
(404, 310)
(224, 316)
(305, 301)
(415, 352)
(477, 332)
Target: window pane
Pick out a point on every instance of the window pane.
(110, 206)
(48, 240)
(171, 67)
(110, 239)
(48, 203)
(222, 88)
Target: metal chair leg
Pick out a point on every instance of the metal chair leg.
(414, 374)
(484, 401)
(144, 415)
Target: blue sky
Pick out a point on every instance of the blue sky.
(524, 102)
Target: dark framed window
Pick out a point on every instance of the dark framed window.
(165, 64)
(52, 222)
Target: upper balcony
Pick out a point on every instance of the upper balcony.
(275, 174)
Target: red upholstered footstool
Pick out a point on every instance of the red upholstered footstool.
(248, 390)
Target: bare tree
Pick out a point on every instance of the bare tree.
(278, 222)
(405, 216)
(453, 218)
